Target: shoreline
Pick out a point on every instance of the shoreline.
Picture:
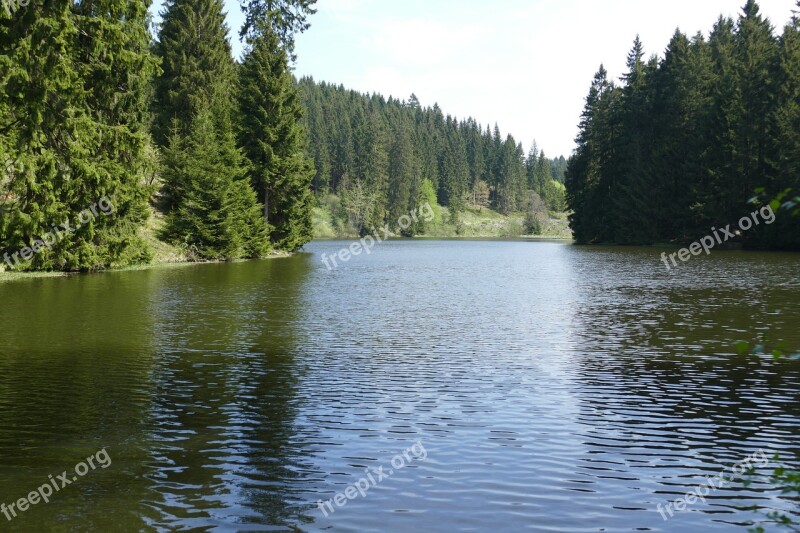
(171, 262)
(10, 275)
(455, 238)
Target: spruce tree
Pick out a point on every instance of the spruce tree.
(371, 163)
(454, 170)
(284, 19)
(218, 216)
(631, 174)
(682, 86)
(274, 142)
(198, 71)
(74, 112)
(587, 183)
(209, 202)
(402, 170)
(756, 66)
(785, 233)
(788, 106)
(541, 174)
(530, 165)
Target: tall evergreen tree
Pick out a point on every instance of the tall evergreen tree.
(218, 216)
(74, 119)
(541, 174)
(788, 103)
(403, 172)
(587, 186)
(682, 85)
(275, 142)
(785, 233)
(284, 18)
(204, 169)
(632, 175)
(530, 165)
(198, 70)
(701, 131)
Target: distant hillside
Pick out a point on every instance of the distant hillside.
(382, 158)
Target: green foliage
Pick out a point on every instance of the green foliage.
(274, 142)
(218, 216)
(554, 194)
(533, 226)
(73, 117)
(81, 91)
(535, 212)
(283, 18)
(198, 71)
(589, 166)
(384, 149)
(212, 210)
(682, 143)
(788, 481)
(426, 198)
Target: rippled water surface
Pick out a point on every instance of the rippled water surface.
(532, 386)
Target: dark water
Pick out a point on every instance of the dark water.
(552, 388)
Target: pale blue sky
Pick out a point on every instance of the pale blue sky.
(525, 64)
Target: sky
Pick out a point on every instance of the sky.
(523, 64)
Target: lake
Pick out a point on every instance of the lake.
(506, 386)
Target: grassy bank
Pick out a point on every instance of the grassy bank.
(473, 222)
(164, 254)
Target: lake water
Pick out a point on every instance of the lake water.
(533, 386)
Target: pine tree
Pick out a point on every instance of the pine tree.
(785, 233)
(712, 198)
(198, 70)
(454, 170)
(284, 19)
(74, 111)
(541, 174)
(682, 86)
(752, 108)
(371, 163)
(475, 153)
(319, 141)
(788, 106)
(587, 189)
(530, 165)
(218, 216)
(633, 181)
(209, 202)
(402, 169)
(274, 142)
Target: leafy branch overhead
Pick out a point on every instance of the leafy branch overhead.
(285, 17)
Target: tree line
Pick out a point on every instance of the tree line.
(384, 156)
(689, 141)
(92, 107)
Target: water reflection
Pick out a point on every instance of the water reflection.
(555, 388)
(665, 399)
(223, 439)
(75, 357)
